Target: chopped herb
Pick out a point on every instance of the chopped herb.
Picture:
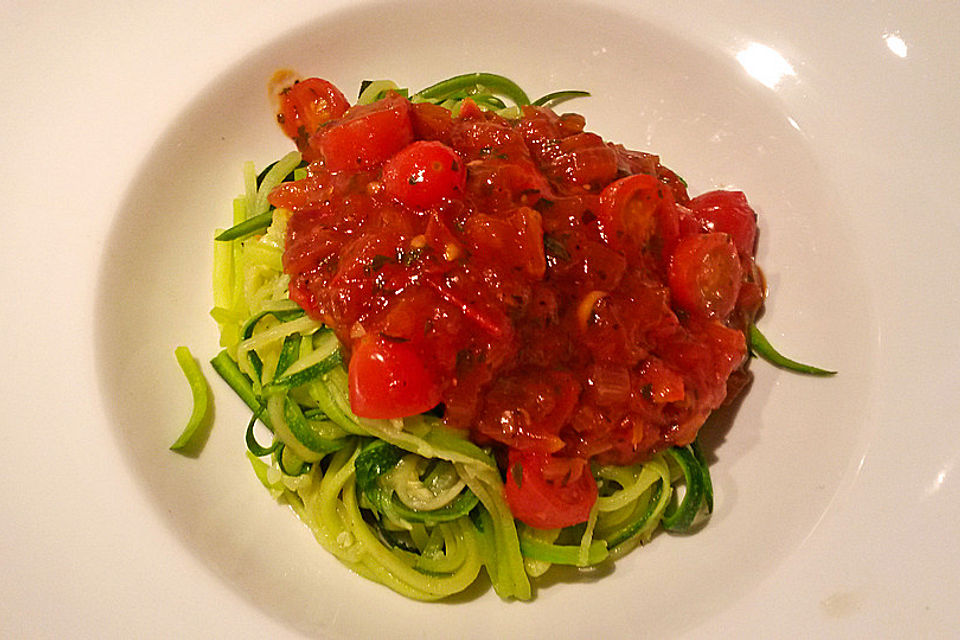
(555, 247)
(378, 263)
(463, 357)
(302, 137)
(407, 258)
(517, 472)
(544, 203)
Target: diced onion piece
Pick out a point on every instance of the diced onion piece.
(585, 308)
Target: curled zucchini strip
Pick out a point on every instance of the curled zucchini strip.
(759, 345)
(496, 84)
(631, 512)
(534, 545)
(329, 505)
(398, 486)
(680, 516)
(198, 390)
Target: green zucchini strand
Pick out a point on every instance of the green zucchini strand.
(198, 389)
(760, 346)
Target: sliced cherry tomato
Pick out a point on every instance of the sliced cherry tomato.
(546, 492)
(728, 212)
(689, 223)
(637, 214)
(367, 135)
(424, 173)
(306, 105)
(388, 378)
(705, 275)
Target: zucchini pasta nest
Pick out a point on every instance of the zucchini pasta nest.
(408, 503)
(540, 471)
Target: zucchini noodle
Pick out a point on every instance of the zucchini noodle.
(408, 503)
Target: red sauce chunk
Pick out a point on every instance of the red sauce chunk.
(558, 295)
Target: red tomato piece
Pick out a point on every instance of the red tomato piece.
(367, 135)
(658, 383)
(431, 122)
(585, 159)
(546, 492)
(689, 224)
(637, 214)
(497, 187)
(389, 379)
(424, 173)
(516, 240)
(705, 275)
(306, 105)
(728, 212)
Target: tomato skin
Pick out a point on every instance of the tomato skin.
(424, 173)
(728, 212)
(537, 497)
(637, 213)
(308, 104)
(431, 122)
(301, 294)
(307, 193)
(366, 136)
(390, 379)
(705, 275)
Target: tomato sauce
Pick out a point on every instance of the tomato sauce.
(555, 294)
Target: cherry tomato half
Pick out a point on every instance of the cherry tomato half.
(306, 105)
(705, 275)
(637, 214)
(367, 135)
(389, 379)
(424, 173)
(727, 212)
(544, 499)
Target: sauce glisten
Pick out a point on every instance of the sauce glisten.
(558, 295)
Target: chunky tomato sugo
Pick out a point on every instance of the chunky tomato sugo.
(559, 296)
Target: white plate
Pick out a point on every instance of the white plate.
(124, 134)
